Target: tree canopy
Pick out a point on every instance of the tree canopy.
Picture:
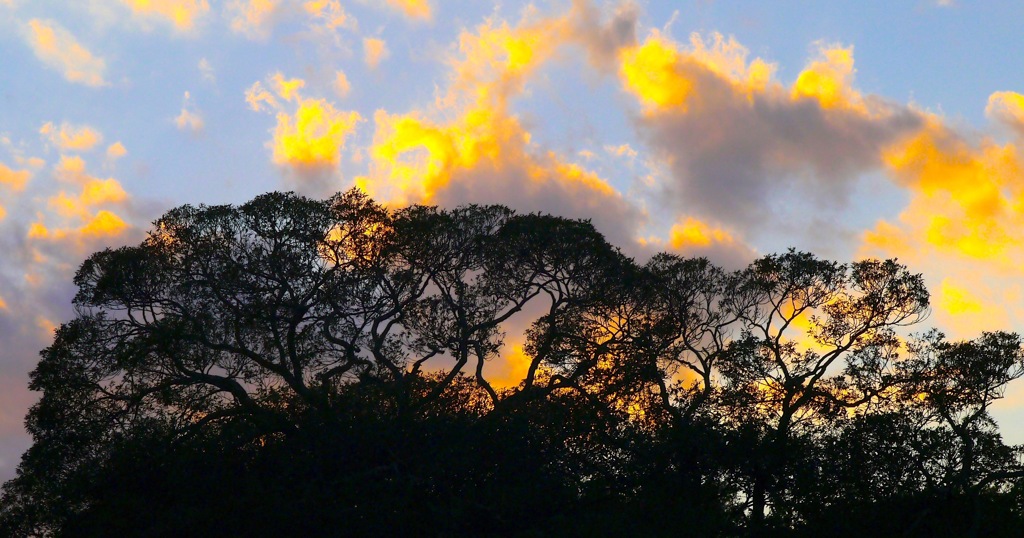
(327, 367)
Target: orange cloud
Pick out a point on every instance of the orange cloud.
(1008, 108)
(829, 80)
(99, 225)
(341, 84)
(957, 300)
(694, 233)
(16, 180)
(375, 50)
(259, 99)
(102, 191)
(968, 200)
(623, 150)
(189, 119)
(78, 220)
(511, 369)
(663, 74)
(252, 18)
(180, 13)
(59, 50)
(961, 224)
(732, 138)
(70, 137)
(287, 89)
(331, 14)
(414, 9)
(310, 138)
(116, 151)
(71, 169)
(495, 61)
(471, 148)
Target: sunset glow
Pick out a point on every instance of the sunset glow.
(682, 127)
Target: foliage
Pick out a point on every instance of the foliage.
(307, 367)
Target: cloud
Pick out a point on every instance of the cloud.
(77, 220)
(1008, 109)
(341, 84)
(603, 39)
(70, 169)
(15, 180)
(310, 133)
(414, 9)
(69, 137)
(470, 148)
(965, 197)
(116, 151)
(375, 50)
(329, 14)
(189, 119)
(253, 18)
(961, 224)
(59, 50)
(311, 139)
(692, 233)
(622, 150)
(207, 71)
(287, 89)
(735, 139)
(182, 14)
(693, 237)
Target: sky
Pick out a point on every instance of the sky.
(851, 129)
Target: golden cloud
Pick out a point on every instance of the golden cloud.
(622, 150)
(252, 18)
(341, 84)
(961, 224)
(116, 151)
(331, 13)
(1008, 108)
(829, 80)
(663, 74)
(259, 99)
(310, 138)
(512, 367)
(70, 137)
(71, 169)
(730, 134)
(180, 13)
(59, 50)
(695, 233)
(470, 148)
(375, 50)
(415, 9)
(287, 89)
(189, 119)
(102, 224)
(16, 180)
(80, 220)
(966, 199)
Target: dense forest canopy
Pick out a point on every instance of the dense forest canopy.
(323, 367)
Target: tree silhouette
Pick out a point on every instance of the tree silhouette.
(320, 367)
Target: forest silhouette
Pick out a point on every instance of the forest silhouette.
(301, 367)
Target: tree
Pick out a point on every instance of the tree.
(738, 336)
(246, 325)
(297, 366)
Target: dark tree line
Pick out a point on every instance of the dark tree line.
(297, 367)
